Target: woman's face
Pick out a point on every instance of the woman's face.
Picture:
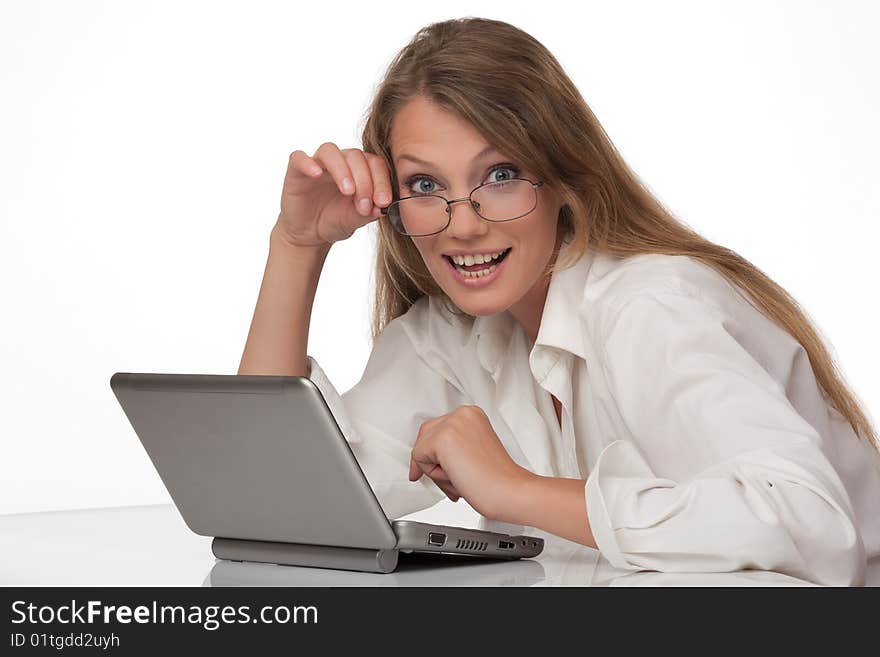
(451, 146)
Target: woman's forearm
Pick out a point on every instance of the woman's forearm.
(556, 505)
(278, 337)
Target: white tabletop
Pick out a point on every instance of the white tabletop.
(152, 546)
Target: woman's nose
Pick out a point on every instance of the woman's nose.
(465, 220)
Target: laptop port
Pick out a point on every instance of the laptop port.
(505, 545)
(436, 538)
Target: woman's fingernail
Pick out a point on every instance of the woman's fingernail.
(364, 204)
(347, 185)
(383, 197)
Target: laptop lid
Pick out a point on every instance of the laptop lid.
(253, 457)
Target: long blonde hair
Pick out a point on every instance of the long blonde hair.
(516, 94)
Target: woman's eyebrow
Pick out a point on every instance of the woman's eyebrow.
(483, 153)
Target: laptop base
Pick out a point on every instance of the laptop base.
(300, 554)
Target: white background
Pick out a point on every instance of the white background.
(143, 146)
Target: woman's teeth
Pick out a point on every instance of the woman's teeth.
(460, 262)
(476, 259)
(477, 274)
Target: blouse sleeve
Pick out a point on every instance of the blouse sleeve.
(380, 417)
(750, 486)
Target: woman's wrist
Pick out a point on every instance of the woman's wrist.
(281, 243)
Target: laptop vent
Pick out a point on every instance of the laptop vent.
(467, 544)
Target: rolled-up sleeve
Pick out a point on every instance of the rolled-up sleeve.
(380, 417)
(719, 472)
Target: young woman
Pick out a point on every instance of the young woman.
(552, 345)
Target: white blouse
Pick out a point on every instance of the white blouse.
(697, 423)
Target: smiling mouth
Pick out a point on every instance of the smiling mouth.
(484, 265)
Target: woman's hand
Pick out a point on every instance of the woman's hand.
(318, 208)
(462, 454)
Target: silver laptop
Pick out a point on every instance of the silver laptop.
(260, 464)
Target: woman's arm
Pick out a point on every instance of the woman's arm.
(279, 332)
(717, 471)
(555, 505)
(759, 492)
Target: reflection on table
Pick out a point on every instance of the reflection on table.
(562, 563)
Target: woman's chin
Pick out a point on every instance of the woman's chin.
(477, 309)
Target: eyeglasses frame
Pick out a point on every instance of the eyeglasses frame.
(469, 198)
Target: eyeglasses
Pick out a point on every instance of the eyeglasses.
(429, 214)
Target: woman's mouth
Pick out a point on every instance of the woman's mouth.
(478, 275)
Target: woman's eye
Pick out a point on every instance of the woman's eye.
(420, 189)
(513, 172)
